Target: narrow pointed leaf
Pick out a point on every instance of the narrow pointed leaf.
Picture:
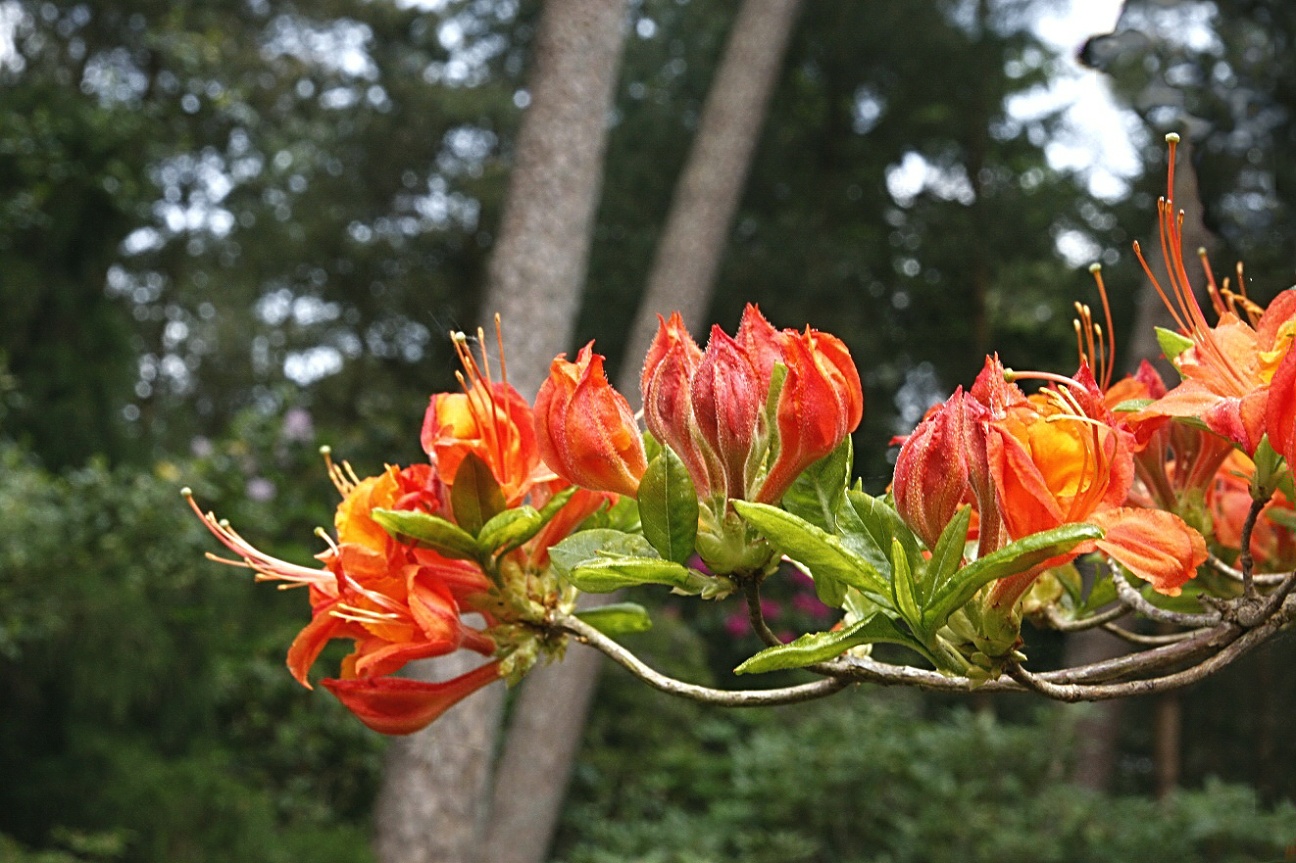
(606, 574)
(1013, 558)
(817, 493)
(902, 585)
(947, 555)
(475, 496)
(668, 507)
(428, 530)
(509, 529)
(823, 646)
(617, 618)
(1172, 344)
(883, 524)
(821, 552)
(555, 503)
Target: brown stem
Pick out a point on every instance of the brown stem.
(1246, 560)
(751, 589)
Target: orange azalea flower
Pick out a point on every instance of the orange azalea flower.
(1058, 458)
(489, 419)
(1229, 500)
(586, 429)
(398, 602)
(1228, 370)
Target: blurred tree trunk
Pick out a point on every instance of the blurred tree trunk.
(433, 806)
(710, 187)
(1099, 730)
(545, 735)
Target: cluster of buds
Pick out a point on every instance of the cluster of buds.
(745, 417)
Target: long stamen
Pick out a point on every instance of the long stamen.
(267, 567)
(1109, 364)
(1184, 308)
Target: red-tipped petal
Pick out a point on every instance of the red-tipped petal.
(397, 705)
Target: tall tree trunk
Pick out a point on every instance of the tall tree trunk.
(434, 803)
(552, 707)
(536, 273)
(709, 189)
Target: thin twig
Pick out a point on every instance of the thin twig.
(1132, 598)
(1265, 579)
(1245, 559)
(1151, 640)
(1061, 624)
(705, 694)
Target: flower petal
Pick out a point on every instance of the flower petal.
(1159, 547)
(398, 705)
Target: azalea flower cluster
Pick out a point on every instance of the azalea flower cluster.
(745, 466)
(423, 550)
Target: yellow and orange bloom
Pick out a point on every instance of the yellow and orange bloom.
(399, 602)
(585, 428)
(1034, 463)
(1057, 457)
(489, 419)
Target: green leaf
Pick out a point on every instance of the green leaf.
(1172, 344)
(823, 646)
(1013, 558)
(652, 446)
(821, 552)
(882, 524)
(606, 574)
(947, 555)
(555, 503)
(590, 545)
(817, 493)
(509, 529)
(427, 530)
(475, 496)
(1102, 593)
(668, 507)
(1132, 406)
(617, 618)
(902, 585)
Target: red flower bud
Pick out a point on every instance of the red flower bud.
(667, 383)
(585, 429)
(728, 396)
(820, 403)
(935, 468)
